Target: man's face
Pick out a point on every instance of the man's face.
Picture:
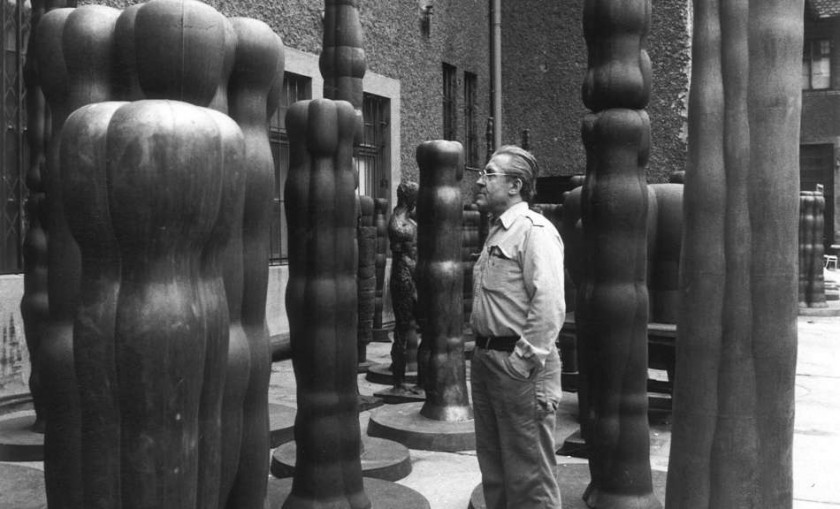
(496, 191)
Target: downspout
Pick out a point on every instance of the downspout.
(496, 70)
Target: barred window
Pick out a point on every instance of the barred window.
(816, 64)
(470, 131)
(371, 155)
(450, 104)
(14, 152)
(295, 88)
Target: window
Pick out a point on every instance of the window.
(295, 88)
(370, 154)
(13, 148)
(470, 132)
(450, 111)
(816, 64)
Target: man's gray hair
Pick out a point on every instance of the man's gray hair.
(524, 166)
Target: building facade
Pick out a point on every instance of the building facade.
(428, 77)
(819, 156)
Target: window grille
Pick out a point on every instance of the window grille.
(295, 88)
(450, 106)
(13, 148)
(470, 130)
(371, 154)
(816, 64)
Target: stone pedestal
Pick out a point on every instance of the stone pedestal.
(381, 459)
(404, 424)
(382, 494)
(18, 440)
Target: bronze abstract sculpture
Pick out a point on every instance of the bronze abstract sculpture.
(148, 253)
(321, 303)
(733, 412)
(440, 282)
(612, 301)
(811, 250)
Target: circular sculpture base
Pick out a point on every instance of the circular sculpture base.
(381, 459)
(381, 374)
(382, 494)
(394, 396)
(281, 422)
(574, 445)
(382, 335)
(404, 424)
(18, 441)
(574, 479)
(22, 487)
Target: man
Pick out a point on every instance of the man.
(518, 309)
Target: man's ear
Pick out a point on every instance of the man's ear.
(516, 188)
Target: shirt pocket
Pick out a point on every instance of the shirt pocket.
(502, 272)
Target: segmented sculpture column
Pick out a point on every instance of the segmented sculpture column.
(381, 224)
(34, 306)
(440, 281)
(74, 69)
(259, 63)
(152, 304)
(736, 357)
(321, 303)
(366, 237)
(612, 310)
(811, 250)
(342, 61)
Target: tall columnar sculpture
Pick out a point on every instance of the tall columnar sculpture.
(321, 303)
(366, 238)
(811, 223)
(259, 63)
(664, 252)
(342, 61)
(34, 306)
(149, 185)
(472, 218)
(736, 356)
(381, 224)
(73, 68)
(440, 281)
(612, 307)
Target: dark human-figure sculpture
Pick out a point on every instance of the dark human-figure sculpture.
(151, 300)
(733, 412)
(612, 301)
(440, 281)
(73, 69)
(321, 303)
(366, 235)
(402, 234)
(811, 223)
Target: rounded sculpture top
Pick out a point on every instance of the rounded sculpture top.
(175, 49)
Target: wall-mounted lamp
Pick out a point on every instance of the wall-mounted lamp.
(426, 17)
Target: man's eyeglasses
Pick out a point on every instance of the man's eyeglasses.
(486, 174)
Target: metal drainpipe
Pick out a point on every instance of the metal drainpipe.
(496, 69)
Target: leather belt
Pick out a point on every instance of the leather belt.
(501, 343)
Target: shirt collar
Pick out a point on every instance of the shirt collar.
(514, 211)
